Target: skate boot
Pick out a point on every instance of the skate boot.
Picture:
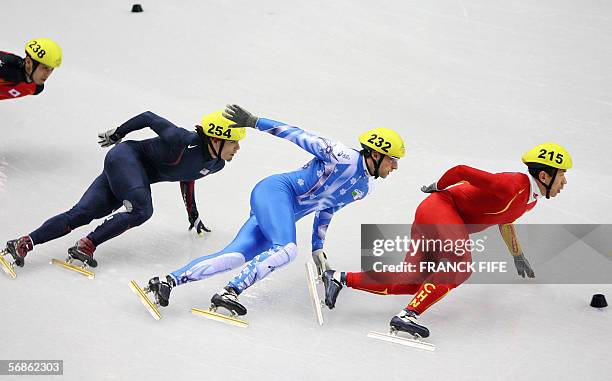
(405, 321)
(333, 285)
(228, 299)
(18, 249)
(83, 251)
(161, 289)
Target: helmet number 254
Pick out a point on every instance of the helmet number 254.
(218, 130)
(379, 142)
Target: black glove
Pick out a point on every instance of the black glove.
(240, 116)
(195, 221)
(431, 188)
(109, 138)
(523, 267)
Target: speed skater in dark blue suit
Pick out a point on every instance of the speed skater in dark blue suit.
(130, 168)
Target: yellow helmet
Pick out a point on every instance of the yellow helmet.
(217, 126)
(550, 154)
(45, 51)
(385, 141)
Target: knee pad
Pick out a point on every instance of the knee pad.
(277, 257)
(272, 259)
(139, 206)
(263, 264)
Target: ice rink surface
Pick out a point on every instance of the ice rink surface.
(465, 82)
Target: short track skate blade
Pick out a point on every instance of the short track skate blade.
(392, 338)
(7, 268)
(220, 317)
(146, 302)
(311, 274)
(74, 268)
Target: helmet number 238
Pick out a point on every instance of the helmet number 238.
(218, 130)
(558, 159)
(379, 142)
(36, 48)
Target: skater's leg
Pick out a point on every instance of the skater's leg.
(247, 243)
(272, 206)
(130, 184)
(371, 282)
(97, 202)
(437, 219)
(387, 282)
(139, 208)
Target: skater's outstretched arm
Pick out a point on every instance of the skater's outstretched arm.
(496, 183)
(520, 262)
(322, 219)
(321, 222)
(188, 193)
(323, 148)
(169, 132)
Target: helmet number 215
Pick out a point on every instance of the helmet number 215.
(551, 155)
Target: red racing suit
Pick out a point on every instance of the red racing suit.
(470, 201)
(13, 82)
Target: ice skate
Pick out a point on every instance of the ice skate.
(17, 249)
(313, 281)
(161, 289)
(227, 299)
(161, 293)
(405, 321)
(82, 251)
(332, 288)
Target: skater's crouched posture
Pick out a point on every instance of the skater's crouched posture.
(334, 178)
(465, 200)
(129, 170)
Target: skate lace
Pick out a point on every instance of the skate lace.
(230, 295)
(407, 317)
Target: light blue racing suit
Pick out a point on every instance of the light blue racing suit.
(335, 177)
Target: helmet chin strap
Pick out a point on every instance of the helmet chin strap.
(552, 180)
(215, 152)
(376, 164)
(34, 66)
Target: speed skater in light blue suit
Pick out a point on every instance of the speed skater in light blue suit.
(334, 178)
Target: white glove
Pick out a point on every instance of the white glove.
(109, 138)
(320, 260)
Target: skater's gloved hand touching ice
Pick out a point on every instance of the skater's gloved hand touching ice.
(523, 267)
(109, 138)
(196, 222)
(240, 116)
(431, 188)
(320, 259)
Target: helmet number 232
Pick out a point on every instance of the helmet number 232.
(218, 130)
(36, 48)
(379, 142)
(551, 155)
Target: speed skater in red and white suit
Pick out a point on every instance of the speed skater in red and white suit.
(463, 201)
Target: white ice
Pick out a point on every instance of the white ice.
(466, 82)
